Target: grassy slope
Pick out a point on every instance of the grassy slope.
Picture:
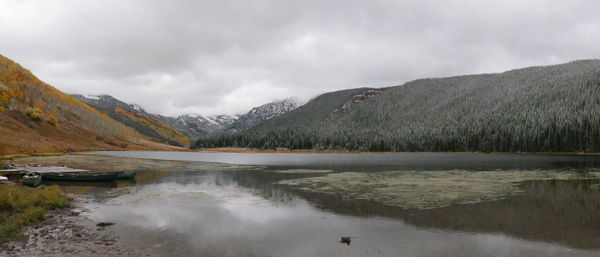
(152, 127)
(139, 120)
(37, 118)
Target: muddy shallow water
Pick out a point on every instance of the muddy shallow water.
(389, 205)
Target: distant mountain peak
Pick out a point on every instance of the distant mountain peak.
(195, 126)
(262, 113)
(223, 120)
(135, 116)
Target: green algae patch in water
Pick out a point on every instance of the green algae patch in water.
(428, 189)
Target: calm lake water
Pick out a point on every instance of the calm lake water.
(370, 162)
(243, 212)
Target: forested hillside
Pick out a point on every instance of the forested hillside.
(135, 117)
(538, 109)
(37, 118)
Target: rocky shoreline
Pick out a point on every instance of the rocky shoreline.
(68, 232)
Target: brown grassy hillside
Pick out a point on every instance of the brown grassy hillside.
(135, 117)
(37, 118)
(158, 130)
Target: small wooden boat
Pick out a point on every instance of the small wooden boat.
(126, 175)
(32, 179)
(82, 176)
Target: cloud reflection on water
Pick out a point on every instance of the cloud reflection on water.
(211, 218)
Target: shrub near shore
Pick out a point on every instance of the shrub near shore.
(20, 206)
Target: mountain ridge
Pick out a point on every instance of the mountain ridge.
(135, 116)
(192, 126)
(260, 114)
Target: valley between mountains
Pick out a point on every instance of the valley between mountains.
(537, 109)
(36, 118)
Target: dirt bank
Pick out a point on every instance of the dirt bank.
(68, 232)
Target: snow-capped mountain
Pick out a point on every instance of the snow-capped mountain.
(223, 120)
(196, 126)
(192, 126)
(262, 113)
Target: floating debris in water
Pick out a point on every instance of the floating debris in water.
(346, 240)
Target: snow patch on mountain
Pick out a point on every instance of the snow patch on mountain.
(262, 113)
(197, 126)
(223, 120)
(137, 108)
(94, 97)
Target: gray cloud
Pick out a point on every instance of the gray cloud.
(210, 57)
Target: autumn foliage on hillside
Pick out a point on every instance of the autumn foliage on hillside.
(135, 117)
(37, 118)
(153, 127)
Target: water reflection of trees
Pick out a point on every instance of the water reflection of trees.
(564, 212)
(556, 211)
(264, 183)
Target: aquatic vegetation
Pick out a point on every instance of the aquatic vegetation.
(428, 189)
(20, 206)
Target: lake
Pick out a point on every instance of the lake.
(255, 204)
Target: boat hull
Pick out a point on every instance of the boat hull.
(126, 175)
(32, 182)
(81, 176)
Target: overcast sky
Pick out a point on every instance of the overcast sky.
(219, 56)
